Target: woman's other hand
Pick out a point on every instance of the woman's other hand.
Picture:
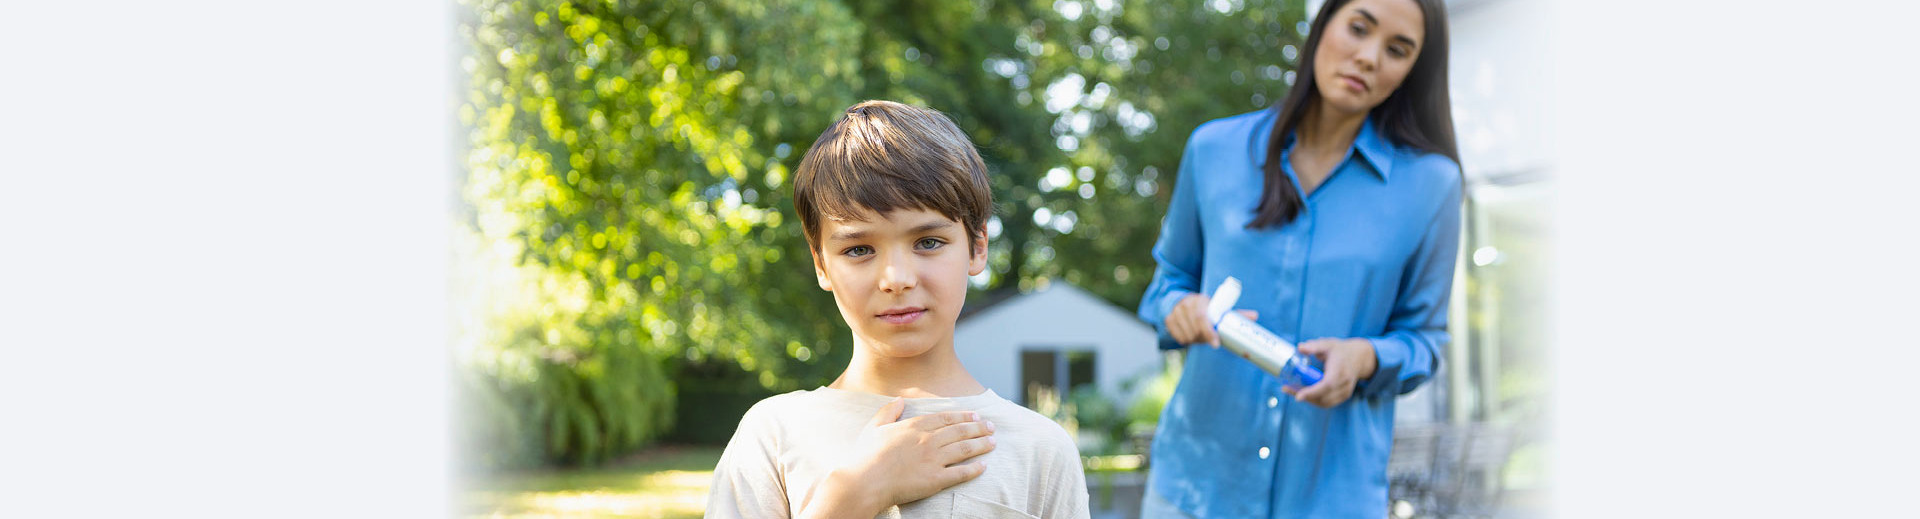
(1344, 361)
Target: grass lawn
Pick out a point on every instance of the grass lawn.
(661, 482)
(668, 482)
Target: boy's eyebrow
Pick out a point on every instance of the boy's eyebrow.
(930, 226)
(852, 235)
(918, 229)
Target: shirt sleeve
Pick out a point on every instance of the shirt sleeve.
(1409, 352)
(1177, 254)
(747, 483)
(1069, 484)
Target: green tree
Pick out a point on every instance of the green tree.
(626, 156)
(1121, 86)
(626, 168)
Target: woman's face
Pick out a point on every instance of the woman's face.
(1366, 51)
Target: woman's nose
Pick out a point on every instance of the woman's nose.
(1367, 57)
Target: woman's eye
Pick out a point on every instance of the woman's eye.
(857, 251)
(1358, 28)
(1398, 52)
(930, 243)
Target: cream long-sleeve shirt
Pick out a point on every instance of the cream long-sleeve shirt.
(786, 444)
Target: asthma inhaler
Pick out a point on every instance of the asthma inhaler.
(1254, 343)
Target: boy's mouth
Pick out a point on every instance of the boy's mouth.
(902, 315)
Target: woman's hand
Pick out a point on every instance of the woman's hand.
(902, 461)
(1344, 361)
(1188, 323)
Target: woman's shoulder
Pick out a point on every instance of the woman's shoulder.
(1429, 163)
(1433, 171)
(1229, 131)
(1232, 130)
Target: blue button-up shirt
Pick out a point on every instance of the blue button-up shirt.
(1370, 256)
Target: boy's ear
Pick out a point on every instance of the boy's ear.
(820, 270)
(977, 261)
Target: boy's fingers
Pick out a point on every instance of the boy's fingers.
(888, 413)
(965, 449)
(936, 421)
(962, 473)
(962, 431)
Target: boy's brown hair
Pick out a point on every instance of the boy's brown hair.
(883, 156)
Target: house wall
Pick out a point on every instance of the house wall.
(1060, 316)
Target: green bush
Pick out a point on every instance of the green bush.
(712, 398)
(548, 392)
(1147, 403)
(1099, 417)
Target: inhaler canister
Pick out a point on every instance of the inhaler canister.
(1255, 343)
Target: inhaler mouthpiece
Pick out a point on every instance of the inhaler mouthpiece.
(1255, 343)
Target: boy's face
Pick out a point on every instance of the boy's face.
(899, 278)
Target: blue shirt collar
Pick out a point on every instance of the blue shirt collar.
(1372, 145)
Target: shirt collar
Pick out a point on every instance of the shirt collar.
(1371, 145)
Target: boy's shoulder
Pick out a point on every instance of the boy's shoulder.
(815, 409)
(1044, 433)
(1048, 457)
(777, 408)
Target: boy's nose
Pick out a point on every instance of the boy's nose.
(897, 276)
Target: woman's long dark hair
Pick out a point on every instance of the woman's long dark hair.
(1418, 115)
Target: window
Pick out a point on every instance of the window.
(1044, 369)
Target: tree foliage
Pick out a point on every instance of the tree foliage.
(626, 169)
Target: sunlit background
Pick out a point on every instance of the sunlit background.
(631, 276)
(230, 229)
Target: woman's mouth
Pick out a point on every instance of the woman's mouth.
(902, 315)
(1354, 83)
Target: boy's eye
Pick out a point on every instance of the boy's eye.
(857, 251)
(929, 243)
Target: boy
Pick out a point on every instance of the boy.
(894, 202)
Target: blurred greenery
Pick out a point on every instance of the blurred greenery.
(626, 226)
(1144, 413)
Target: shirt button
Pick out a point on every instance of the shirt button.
(1264, 452)
(1271, 402)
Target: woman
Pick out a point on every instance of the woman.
(1339, 211)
